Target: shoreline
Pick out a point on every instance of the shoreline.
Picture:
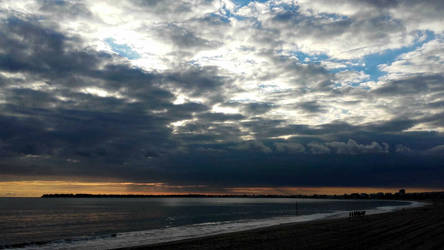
(142, 239)
(329, 232)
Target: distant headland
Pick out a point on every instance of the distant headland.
(401, 195)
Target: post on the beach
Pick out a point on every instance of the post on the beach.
(296, 207)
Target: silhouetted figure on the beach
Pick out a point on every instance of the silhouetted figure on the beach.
(356, 213)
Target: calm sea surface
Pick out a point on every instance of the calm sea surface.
(28, 220)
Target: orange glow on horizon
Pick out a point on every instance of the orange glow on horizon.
(38, 188)
(325, 190)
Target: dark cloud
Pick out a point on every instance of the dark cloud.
(289, 147)
(166, 7)
(436, 105)
(436, 119)
(351, 147)
(318, 148)
(214, 20)
(199, 81)
(65, 9)
(312, 27)
(382, 3)
(184, 38)
(437, 150)
(311, 107)
(428, 6)
(258, 108)
(376, 29)
(220, 117)
(255, 146)
(78, 126)
(395, 125)
(403, 149)
(312, 76)
(412, 85)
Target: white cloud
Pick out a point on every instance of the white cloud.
(427, 59)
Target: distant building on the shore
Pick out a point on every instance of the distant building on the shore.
(401, 191)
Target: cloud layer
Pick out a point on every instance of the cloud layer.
(223, 94)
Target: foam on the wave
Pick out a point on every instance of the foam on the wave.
(386, 209)
(154, 236)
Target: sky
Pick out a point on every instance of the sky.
(221, 96)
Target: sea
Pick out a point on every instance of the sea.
(107, 223)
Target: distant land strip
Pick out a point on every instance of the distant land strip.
(387, 196)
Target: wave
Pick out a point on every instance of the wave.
(154, 236)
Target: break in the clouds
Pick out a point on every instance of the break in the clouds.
(223, 94)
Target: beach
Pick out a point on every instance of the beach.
(416, 228)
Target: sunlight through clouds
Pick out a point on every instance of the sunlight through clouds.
(184, 91)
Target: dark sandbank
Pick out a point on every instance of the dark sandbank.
(417, 228)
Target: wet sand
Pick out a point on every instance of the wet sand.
(417, 228)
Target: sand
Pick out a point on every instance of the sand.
(417, 228)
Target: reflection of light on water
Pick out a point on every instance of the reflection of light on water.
(175, 233)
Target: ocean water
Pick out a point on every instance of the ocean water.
(94, 223)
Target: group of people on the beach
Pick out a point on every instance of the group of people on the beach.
(356, 213)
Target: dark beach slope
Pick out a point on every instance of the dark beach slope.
(418, 228)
